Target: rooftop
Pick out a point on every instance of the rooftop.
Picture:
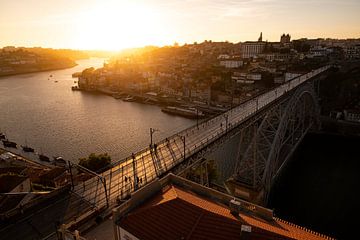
(175, 208)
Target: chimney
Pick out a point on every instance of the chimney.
(245, 232)
(235, 207)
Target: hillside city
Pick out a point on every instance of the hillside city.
(212, 76)
(199, 81)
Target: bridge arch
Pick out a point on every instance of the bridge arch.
(273, 139)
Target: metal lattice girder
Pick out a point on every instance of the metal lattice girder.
(275, 137)
(177, 155)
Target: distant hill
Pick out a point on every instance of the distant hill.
(60, 53)
(26, 60)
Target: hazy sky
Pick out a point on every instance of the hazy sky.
(111, 24)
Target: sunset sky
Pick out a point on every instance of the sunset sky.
(113, 25)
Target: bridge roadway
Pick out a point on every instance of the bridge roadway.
(141, 168)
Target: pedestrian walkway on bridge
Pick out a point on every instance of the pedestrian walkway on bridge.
(130, 174)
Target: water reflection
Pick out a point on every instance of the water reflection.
(57, 121)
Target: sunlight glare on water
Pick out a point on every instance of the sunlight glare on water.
(57, 121)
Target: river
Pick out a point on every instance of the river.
(318, 187)
(57, 121)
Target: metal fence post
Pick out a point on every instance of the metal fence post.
(71, 176)
(103, 180)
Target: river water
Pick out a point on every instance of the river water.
(318, 187)
(57, 121)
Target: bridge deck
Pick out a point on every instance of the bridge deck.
(141, 168)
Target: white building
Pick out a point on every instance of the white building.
(352, 115)
(352, 52)
(223, 56)
(247, 78)
(252, 49)
(319, 51)
(231, 63)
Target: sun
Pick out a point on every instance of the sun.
(119, 25)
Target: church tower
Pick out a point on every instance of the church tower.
(260, 38)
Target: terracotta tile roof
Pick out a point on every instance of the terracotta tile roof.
(179, 214)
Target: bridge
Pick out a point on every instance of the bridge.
(262, 132)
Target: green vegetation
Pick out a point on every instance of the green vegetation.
(198, 173)
(95, 162)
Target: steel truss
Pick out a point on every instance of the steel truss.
(267, 140)
(275, 139)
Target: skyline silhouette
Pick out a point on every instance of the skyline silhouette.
(115, 25)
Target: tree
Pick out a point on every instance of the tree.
(96, 162)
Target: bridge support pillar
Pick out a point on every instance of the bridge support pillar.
(244, 191)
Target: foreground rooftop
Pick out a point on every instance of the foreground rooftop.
(175, 208)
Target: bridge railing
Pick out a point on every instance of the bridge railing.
(133, 172)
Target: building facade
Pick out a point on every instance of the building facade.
(285, 38)
(252, 49)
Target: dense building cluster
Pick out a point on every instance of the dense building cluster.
(215, 73)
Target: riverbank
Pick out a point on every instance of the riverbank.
(37, 71)
(204, 110)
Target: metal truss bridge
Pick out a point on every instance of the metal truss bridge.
(252, 141)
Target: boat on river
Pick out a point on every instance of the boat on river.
(26, 148)
(59, 161)
(76, 74)
(2, 135)
(44, 158)
(8, 143)
(129, 99)
(184, 112)
(117, 96)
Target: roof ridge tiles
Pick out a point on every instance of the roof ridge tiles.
(303, 228)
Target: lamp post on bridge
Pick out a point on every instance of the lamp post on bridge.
(183, 140)
(152, 130)
(197, 118)
(226, 116)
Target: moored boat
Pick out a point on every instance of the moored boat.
(44, 158)
(129, 99)
(8, 143)
(27, 148)
(117, 96)
(76, 74)
(59, 161)
(184, 112)
(2, 135)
